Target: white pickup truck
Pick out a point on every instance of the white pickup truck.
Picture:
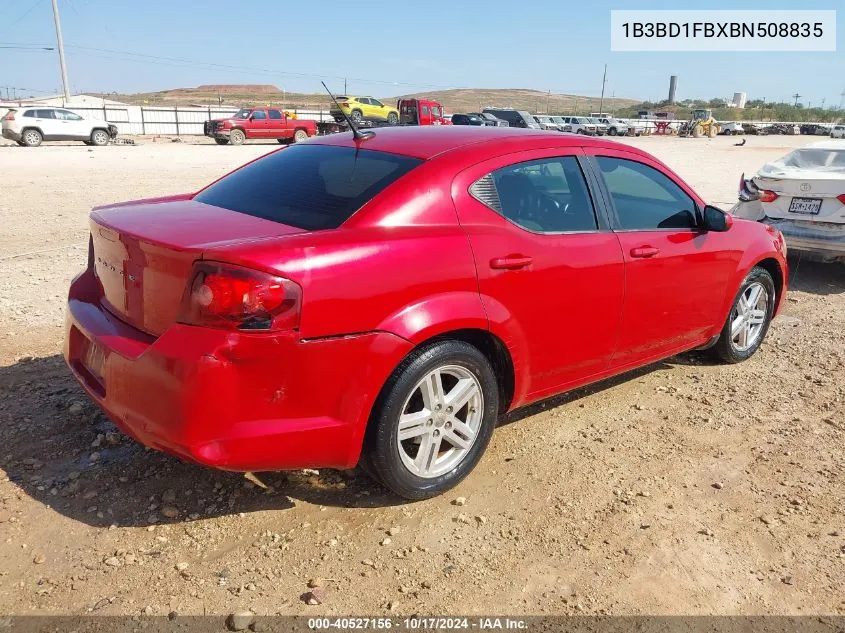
(623, 127)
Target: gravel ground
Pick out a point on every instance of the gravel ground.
(683, 488)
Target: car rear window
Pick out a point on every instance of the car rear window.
(311, 187)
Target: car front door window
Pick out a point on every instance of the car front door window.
(644, 198)
(675, 273)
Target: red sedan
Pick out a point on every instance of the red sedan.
(384, 300)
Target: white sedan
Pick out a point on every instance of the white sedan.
(803, 196)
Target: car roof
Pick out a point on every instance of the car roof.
(426, 142)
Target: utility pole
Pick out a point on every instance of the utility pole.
(796, 96)
(344, 85)
(65, 85)
(603, 81)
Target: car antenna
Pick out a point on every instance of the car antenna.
(357, 134)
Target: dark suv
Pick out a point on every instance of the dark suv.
(515, 118)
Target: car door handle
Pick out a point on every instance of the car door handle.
(644, 251)
(511, 262)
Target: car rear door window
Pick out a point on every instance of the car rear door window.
(45, 114)
(542, 196)
(67, 115)
(311, 187)
(645, 198)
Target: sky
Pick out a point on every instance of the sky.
(387, 48)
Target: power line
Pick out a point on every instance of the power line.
(31, 48)
(31, 8)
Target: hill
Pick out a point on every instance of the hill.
(455, 100)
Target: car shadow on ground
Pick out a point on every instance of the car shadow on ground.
(59, 449)
(819, 278)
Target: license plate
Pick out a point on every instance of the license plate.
(805, 206)
(94, 360)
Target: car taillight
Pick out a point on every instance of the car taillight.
(10, 116)
(768, 196)
(345, 104)
(841, 198)
(232, 297)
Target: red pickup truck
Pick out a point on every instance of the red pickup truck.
(259, 123)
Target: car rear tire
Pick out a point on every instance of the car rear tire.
(356, 116)
(31, 138)
(221, 141)
(299, 136)
(237, 137)
(393, 119)
(99, 138)
(749, 318)
(433, 420)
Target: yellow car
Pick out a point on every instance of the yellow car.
(365, 109)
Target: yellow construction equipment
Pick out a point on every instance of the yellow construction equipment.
(701, 124)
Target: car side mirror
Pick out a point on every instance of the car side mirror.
(716, 220)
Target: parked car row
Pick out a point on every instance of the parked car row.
(586, 125)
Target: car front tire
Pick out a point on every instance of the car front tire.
(749, 317)
(433, 420)
(237, 137)
(99, 138)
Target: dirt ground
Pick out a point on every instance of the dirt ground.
(683, 488)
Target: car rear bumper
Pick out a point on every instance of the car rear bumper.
(11, 135)
(826, 238)
(231, 400)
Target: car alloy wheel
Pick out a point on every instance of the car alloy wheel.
(433, 419)
(440, 421)
(749, 316)
(100, 138)
(32, 138)
(748, 321)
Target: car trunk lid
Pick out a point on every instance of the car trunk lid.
(810, 199)
(144, 253)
